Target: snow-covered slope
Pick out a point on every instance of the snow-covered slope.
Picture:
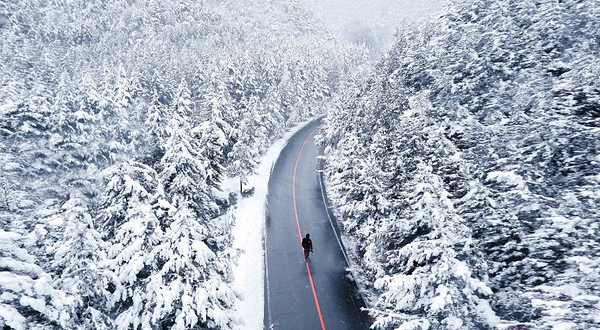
(466, 169)
(118, 120)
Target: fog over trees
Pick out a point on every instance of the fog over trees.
(373, 23)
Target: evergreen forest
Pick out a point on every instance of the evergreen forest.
(462, 164)
(466, 169)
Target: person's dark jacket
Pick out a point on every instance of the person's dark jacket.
(307, 243)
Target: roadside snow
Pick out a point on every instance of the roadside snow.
(248, 235)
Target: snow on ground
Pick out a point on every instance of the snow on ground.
(248, 235)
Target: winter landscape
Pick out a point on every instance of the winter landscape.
(161, 162)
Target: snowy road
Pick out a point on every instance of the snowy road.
(300, 296)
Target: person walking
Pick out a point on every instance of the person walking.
(307, 246)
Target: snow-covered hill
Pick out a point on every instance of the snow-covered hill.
(118, 121)
(464, 165)
(466, 169)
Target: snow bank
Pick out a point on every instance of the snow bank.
(249, 234)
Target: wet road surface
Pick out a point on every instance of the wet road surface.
(317, 295)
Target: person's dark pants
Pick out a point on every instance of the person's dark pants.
(306, 252)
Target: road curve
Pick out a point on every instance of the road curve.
(317, 295)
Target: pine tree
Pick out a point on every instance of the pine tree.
(78, 258)
(192, 286)
(431, 285)
(134, 224)
(212, 141)
(244, 155)
(157, 122)
(29, 298)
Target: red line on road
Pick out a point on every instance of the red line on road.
(312, 284)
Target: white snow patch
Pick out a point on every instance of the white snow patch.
(462, 271)
(25, 203)
(12, 317)
(509, 178)
(8, 236)
(442, 299)
(248, 235)
(486, 313)
(415, 324)
(453, 322)
(507, 326)
(564, 326)
(570, 290)
(56, 220)
(10, 166)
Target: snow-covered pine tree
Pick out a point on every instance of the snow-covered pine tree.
(192, 285)
(212, 141)
(431, 285)
(501, 237)
(24, 133)
(244, 154)
(133, 223)
(359, 189)
(182, 169)
(218, 105)
(78, 258)
(29, 299)
(116, 112)
(122, 94)
(156, 121)
(181, 107)
(63, 104)
(260, 122)
(88, 97)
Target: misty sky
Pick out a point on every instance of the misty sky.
(381, 16)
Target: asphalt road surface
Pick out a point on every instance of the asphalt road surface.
(318, 294)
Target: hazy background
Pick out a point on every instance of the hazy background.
(373, 22)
